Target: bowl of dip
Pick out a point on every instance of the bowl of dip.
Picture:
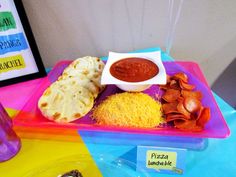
(134, 72)
(134, 69)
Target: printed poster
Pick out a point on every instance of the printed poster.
(16, 57)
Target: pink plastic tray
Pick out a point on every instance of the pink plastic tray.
(31, 117)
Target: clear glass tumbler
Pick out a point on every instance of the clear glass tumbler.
(10, 143)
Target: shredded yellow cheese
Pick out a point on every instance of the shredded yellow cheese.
(129, 110)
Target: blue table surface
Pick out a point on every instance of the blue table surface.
(216, 159)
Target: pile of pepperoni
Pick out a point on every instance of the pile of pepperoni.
(182, 105)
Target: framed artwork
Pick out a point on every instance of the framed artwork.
(19, 55)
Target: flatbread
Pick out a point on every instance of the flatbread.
(65, 101)
(84, 82)
(89, 67)
(72, 95)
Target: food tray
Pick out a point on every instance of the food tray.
(31, 117)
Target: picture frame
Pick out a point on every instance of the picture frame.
(20, 59)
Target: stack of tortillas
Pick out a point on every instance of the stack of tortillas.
(73, 94)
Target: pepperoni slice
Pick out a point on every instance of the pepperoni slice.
(174, 85)
(180, 99)
(172, 117)
(187, 125)
(182, 110)
(168, 78)
(170, 107)
(192, 104)
(171, 95)
(186, 86)
(164, 87)
(182, 105)
(195, 94)
(204, 117)
(181, 76)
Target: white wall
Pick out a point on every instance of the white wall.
(68, 29)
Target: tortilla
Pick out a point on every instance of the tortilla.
(64, 101)
(84, 82)
(89, 67)
(72, 95)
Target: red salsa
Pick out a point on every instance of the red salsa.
(134, 69)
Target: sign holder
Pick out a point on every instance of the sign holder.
(161, 159)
